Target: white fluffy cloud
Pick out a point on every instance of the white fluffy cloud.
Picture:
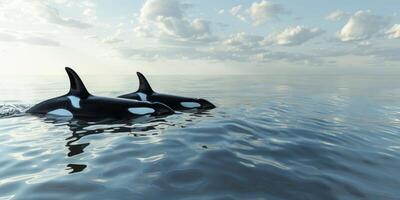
(259, 12)
(185, 28)
(336, 15)
(152, 10)
(362, 26)
(167, 17)
(235, 11)
(297, 35)
(262, 11)
(394, 32)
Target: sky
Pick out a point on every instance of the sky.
(199, 37)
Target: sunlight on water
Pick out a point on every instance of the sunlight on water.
(270, 137)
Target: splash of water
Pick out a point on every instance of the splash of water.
(12, 110)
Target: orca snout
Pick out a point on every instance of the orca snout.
(206, 104)
(162, 109)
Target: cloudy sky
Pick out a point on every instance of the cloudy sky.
(198, 37)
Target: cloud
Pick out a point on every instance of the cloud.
(297, 35)
(152, 54)
(377, 54)
(362, 26)
(37, 11)
(235, 10)
(394, 32)
(239, 47)
(152, 10)
(182, 28)
(259, 12)
(290, 57)
(243, 40)
(167, 18)
(264, 11)
(221, 12)
(89, 9)
(88, 4)
(386, 54)
(90, 13)
(336, 15)
(114, 39)
(52, 15)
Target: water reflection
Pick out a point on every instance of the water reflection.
(139, 127)
(75, 168)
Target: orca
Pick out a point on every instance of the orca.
(79, 103)
(146, 93)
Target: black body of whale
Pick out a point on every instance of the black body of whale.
(79, 103)
(146, 93)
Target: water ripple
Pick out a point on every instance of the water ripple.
(276, 139)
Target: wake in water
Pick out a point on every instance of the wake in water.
(12, 110)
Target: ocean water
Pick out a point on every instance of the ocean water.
(270, 137)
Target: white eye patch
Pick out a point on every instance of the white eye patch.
(75, 101)
(141, 110)
(142, 96)
(190, 104)
(60, 113)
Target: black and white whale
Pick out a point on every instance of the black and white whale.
(146, 93)
(79, 103)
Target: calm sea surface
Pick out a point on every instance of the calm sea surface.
(270, 137)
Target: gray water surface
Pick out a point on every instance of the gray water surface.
(270, 137)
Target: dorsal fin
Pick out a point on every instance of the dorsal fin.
(144, 86)
(77, 87)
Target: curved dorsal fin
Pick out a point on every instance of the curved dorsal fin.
(77, 87)
(144, 86)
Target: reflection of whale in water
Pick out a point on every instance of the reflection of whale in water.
(141, 128)
(146, 93)
(80, 129)
(75, 168)
(79, 103)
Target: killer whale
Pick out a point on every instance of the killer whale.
(79, 103)
(146, 93)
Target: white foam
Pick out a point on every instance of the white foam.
(75, 101)
(190, 104)
(142, 96)
(141, 110)
(61, 113)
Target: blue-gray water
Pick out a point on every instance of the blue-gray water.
(271, 137)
